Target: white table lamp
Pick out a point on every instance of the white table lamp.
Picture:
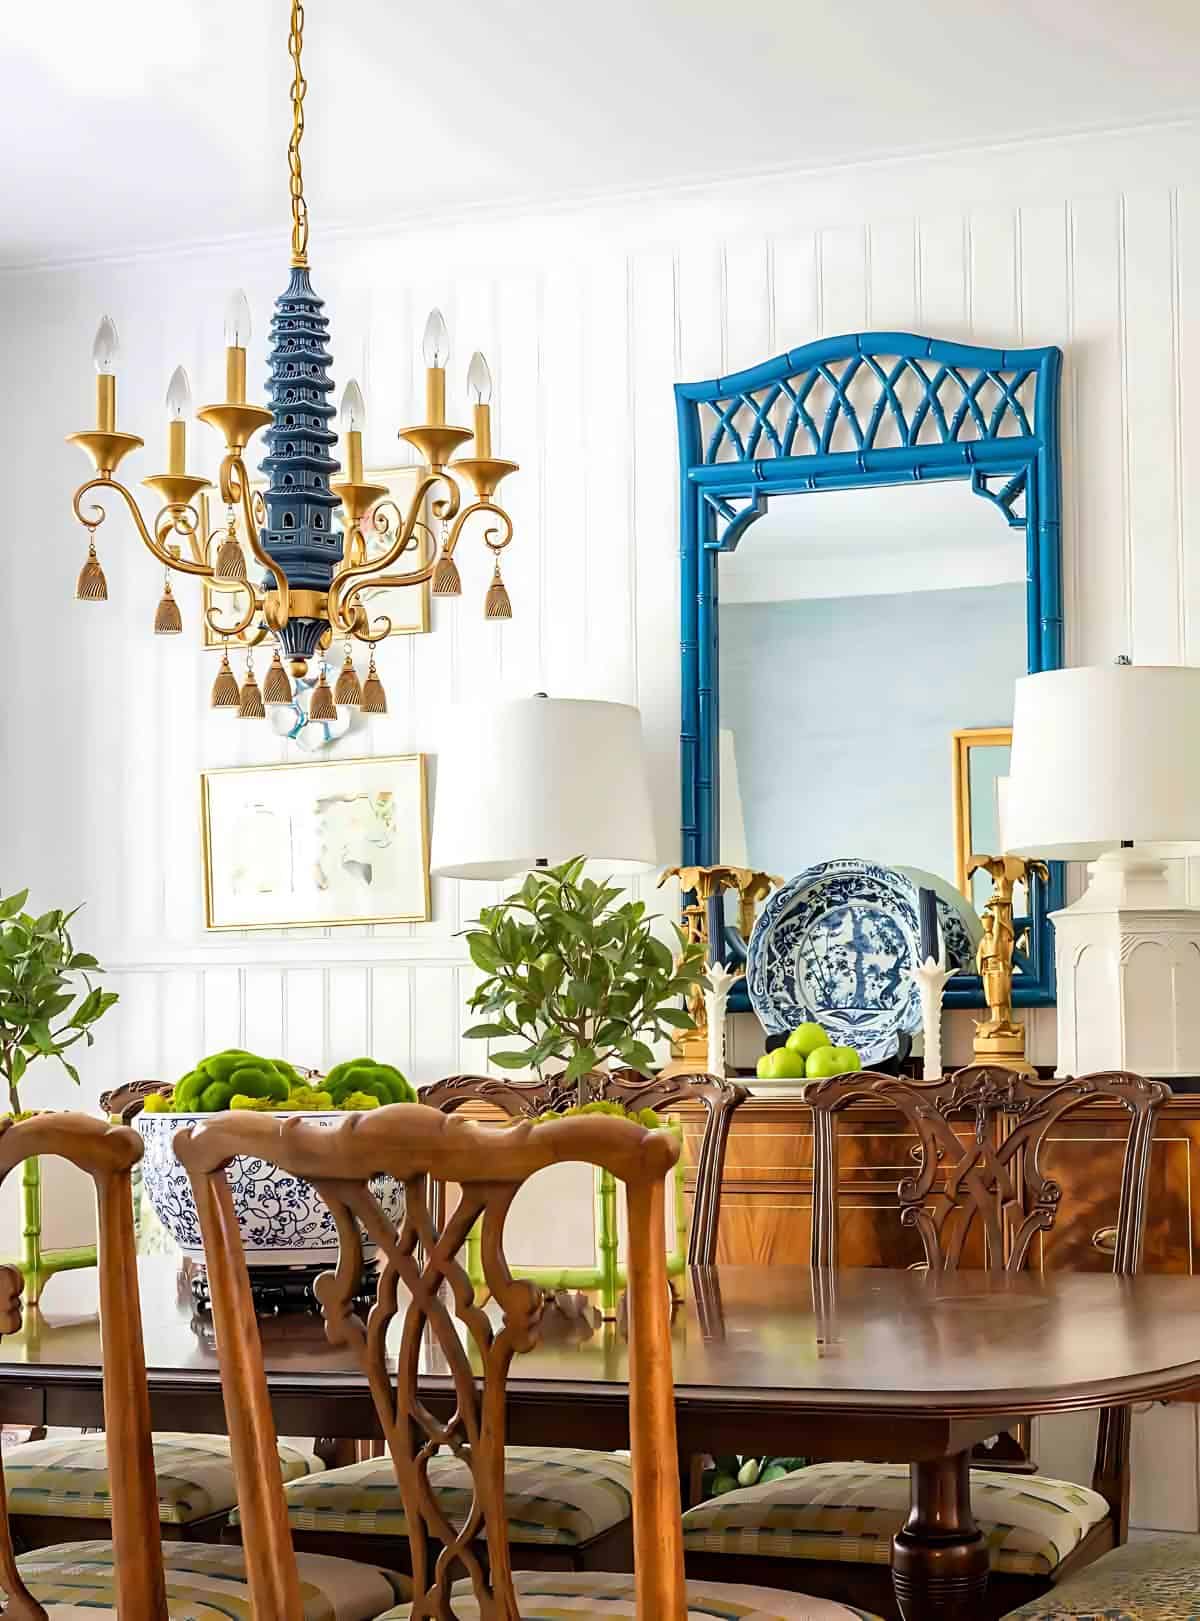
(1105, 768)
(533, 782)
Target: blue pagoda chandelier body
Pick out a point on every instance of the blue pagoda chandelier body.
(320, 542)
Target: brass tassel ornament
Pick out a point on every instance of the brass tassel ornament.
(276, 688)
(348, 691)
(321, 705)
(168, 621)
(496, 604)
(91, 585)
(250, 704)
(225, 694)
(374, 699)
(231, 559)
(446, 581)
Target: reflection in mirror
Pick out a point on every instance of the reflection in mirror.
(860, 630)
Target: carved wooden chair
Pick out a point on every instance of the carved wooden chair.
(462, 1563)
(133, 1575)
(976, 1196)
(194, 1473)
(570, 1506)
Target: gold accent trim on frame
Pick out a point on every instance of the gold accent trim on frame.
(322, 922)
(961, 744)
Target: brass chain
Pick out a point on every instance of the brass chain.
(299, 86)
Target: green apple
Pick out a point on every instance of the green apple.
(806, 1038)
(827, 1061)
(781, 1065)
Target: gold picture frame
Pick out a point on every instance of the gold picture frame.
(963, 744)
(299, 846)
(408, 606)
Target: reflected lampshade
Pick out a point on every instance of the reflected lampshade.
(534, 782)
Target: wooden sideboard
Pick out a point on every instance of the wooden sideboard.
(766, 1205)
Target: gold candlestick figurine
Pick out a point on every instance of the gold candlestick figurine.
(1000, 1039)
(708, 884)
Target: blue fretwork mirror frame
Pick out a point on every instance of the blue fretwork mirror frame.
(870, 408)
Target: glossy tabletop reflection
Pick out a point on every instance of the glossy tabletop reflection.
(859, 1341)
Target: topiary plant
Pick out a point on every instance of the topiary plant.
(576, 977)
(43, 1014)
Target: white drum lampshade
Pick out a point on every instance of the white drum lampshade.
(1101, 757)
(1105, 768)
(536, 781)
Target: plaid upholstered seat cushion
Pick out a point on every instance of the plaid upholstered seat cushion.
(1143, 1581)
(204, 1583)
(68, 1477)
(560, 1496)
(546, 1597)
(851, 1512)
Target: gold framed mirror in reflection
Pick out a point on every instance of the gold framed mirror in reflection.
(979, 770)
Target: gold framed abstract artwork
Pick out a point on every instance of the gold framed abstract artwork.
(406, 606)
(319, 845)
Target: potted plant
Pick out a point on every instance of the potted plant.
(577, 977)
(48, 1005)
(283, 1219)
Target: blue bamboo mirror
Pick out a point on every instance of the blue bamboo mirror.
(870, 548)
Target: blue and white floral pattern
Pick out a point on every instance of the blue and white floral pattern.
(835, 945)
(283, 1219)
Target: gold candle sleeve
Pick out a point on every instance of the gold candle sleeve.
(483, 430)
(106, 402)
(176, 447)
(435, 396)
(235, 376)
(354, 459)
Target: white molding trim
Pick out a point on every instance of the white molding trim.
(320, 952)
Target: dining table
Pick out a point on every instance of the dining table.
(891, 1365)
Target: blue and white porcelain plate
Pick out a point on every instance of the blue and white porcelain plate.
(835, 945)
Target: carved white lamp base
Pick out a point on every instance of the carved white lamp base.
(931, 980)
(1128, 959)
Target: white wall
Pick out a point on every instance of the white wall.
(588, 318)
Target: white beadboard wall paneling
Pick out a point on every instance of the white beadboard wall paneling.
(892, 291)
(1151, 353)
(347, 993)
(303, 1015)
(793, 290)
(654, 566)
(518, 430)
(843, 283)
(608, 651)
(944, 274)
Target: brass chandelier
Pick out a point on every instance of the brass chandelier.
(315, 572)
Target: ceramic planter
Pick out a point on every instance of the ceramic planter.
(283, 1219)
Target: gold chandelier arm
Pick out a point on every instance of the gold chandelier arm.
(345, 588)
(489, 535)
(383, 526)
(218, 629)
(165, 523)
(235, 490)
(361, 626)
(295, 173)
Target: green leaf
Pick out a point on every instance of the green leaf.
(659, 955)
(510, 1060)
(583, 1059)
(17, 1066)
(487, 1032)
(12, 906)
(675, 1017)
(484, 953)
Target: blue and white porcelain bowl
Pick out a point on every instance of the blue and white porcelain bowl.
(283, 1219)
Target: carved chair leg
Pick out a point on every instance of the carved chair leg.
(939, 1559)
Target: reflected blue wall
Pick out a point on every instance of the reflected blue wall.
(842, 710)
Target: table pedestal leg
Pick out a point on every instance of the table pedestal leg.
(939, 1560)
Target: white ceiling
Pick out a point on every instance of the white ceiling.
(138, 123)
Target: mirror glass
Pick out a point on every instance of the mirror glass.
(860, 631)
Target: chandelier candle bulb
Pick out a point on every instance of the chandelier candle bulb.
(237, 336)
(436, 349)
(104, 355)
(479, 387)
(179, 408)
(353, 419)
